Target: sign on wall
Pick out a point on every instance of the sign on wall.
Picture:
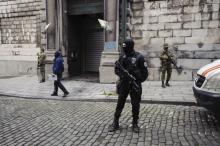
(110, 46)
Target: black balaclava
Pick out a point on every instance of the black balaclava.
(128, 46)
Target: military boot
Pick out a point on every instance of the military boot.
(167, 83)
(163, 85)
(114, 126)
(135, 127)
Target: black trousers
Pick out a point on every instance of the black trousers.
(58, 84)
(124, 90)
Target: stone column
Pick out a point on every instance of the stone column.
(51, 14)
(60, 32)
(50, 32)
(110, 53)
(111, 16)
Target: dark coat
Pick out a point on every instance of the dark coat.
(135, 64)
(58, 66)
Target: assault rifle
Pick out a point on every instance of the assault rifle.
(131, 78)
(38, 56)
(179, 69)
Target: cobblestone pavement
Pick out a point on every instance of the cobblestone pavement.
(29, 122)
(28, 86)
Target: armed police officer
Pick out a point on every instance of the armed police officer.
(166, 59)
(132, 71)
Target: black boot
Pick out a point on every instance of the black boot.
(114, 126)
(163, 85)
(65, 94)
(167, 83)
(54, 94)
(135, 127)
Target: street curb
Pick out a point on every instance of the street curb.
(143, 101)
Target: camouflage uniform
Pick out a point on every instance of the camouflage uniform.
(166, 65)
(41, 65)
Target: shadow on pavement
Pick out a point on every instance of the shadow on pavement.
(93, 77)
(7, 77)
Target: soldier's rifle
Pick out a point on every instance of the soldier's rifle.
(131, 78)
(179, 69)
(38, 56)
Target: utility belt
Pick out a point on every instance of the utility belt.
(131, 85)
(166, 63)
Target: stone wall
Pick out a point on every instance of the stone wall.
(190, 27)
(20, 21)
(19, 30)
(22, 25)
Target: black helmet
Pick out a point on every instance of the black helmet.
(128, 46)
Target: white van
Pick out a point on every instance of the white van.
(206, 86)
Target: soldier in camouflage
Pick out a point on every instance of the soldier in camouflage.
(166, 58)
(41, 58)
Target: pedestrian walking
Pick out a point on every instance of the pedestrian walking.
(166, 59)
(132, 71)
(58, 68)
(41, 59)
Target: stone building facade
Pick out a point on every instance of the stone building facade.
(190, 27)
(21, 23)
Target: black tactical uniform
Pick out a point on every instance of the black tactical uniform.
(136, 66)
